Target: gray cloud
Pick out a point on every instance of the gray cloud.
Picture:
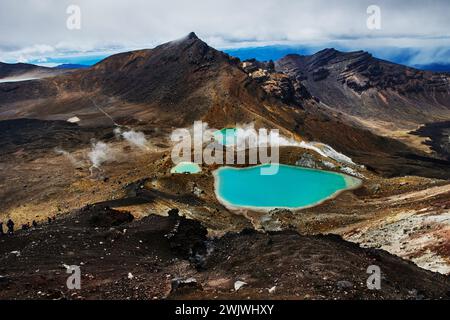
(33, 29)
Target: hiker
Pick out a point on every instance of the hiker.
(34, 223)
(26, 226)
(1, 228)
(10, 225)
(49, 220)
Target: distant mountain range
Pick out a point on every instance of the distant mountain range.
(16, 72)
(359, 85)
(71, 66)
(15, 69)
(27, 70)
(276, 52)
(437, 67)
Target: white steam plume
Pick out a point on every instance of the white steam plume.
(69, 156)
(245, 131)
(324, 150)
(100, 153)
(135, 138)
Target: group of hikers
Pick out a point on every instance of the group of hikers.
(10, 226)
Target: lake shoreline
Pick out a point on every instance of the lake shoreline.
(352, 183)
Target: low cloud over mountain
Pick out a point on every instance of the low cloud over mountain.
(137, 24)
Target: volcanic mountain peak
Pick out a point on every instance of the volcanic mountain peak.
(328, 52)
(192, 35)
(174, 83)
(324, 58)
(380, 73)
(364, 86)
(188, 49)
(334, 51)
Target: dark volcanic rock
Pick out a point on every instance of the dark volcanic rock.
(301, 267)
(180, 286)
(103, 216)
(439, 134)
(320, 74)
(188, 237)
(276, 84)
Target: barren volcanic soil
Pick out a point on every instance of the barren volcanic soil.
(172, 257)
(46, 183)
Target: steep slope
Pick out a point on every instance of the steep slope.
(372, 89)
(170, 85)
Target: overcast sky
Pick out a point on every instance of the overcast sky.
(33, 30)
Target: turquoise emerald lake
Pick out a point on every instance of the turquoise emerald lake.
(186, 167)
(291, 187)
(226, 136)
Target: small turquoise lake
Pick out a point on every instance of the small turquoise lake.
(226, 136)
(186, 167)
(291, 187)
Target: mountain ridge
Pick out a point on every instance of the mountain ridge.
(360, 85)
(14, 69)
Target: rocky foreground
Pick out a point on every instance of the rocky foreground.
(172, 258)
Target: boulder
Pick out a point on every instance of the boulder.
(105, 217)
